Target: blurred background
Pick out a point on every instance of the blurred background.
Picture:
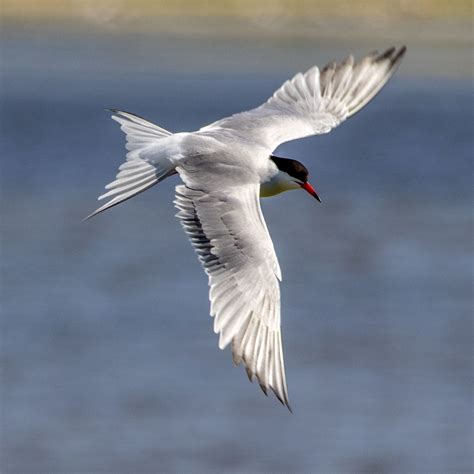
(109, 359)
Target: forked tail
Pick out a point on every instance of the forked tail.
(144, 167)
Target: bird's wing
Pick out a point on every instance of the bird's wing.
(314, 102)
(228, 232)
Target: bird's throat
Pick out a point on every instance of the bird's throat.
(277, 184)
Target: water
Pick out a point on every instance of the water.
(110, 362)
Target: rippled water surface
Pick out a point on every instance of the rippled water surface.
(110, 362)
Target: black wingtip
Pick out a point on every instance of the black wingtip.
(122, 112)
(386, 54)
(401, 52)
(392, 54)
(331, 65)
(283, 401)
(286, 404)
(249, 374)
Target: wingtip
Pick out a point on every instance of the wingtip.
(90, 216)
(393, 54)
(287, 404)
(249, 374)
(329, 66)
(264, 389)
(386, 54)
(399, 55)
(283, 400)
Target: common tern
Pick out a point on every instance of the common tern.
(226, 167)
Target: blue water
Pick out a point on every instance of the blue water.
(109, 359)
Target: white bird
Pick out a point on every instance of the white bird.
(226, 167)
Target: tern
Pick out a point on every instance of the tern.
(225, 168)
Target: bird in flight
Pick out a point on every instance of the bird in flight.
(225, 168)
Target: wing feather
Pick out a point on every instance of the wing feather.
(314, 102)
(231, 239)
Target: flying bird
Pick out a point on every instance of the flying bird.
(225, 168)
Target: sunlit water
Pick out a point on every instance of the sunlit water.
(110, 362)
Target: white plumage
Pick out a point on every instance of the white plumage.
(225, 167)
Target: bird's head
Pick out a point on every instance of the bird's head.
(291, 175)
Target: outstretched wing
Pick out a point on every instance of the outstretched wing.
(229, 234)
(314, 102)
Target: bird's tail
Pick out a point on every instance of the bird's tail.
(142, 168)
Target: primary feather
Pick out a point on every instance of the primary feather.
(314, 102)
(231, 239)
